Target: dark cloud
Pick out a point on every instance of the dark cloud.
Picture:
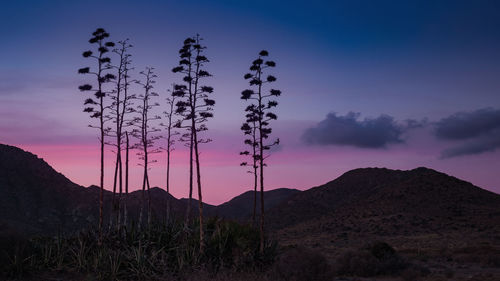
(467, 125)
(349, 130)
(478, 145)
(479, 130)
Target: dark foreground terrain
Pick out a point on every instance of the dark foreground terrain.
(447, 227)
(368, 224)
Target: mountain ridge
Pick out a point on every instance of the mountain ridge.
(373, 200)
(410, 209)
(38, 199)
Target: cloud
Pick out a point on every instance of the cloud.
(367, 133)
(20, 127)
(467, 125)
(479, 131)
(476, 146)
(15, 82)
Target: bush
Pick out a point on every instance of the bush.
(153, 253)
(374, 259)
(236, 246)
(302, 264)
(15, 254)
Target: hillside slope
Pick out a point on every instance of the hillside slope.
(378, 203)
(241, 206)
(36, 198)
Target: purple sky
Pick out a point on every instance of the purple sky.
(396, 84)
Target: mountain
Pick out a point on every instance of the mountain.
(377, 202)
(34, 198)
(208, 208)
(241, 206)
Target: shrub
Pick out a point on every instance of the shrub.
(15, 254)
(152, 253)
(302, 264)
(236, 246)
(374, 259)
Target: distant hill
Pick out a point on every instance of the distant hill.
(379, 202)
(34, 198)
(194, 204)
(241, 206)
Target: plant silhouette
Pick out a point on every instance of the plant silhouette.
(260, 110)
(196, 108)
(95, 106)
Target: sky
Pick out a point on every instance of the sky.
(396, 84)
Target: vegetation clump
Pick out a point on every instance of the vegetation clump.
(299, 263)
(160, 252)
(377, 258)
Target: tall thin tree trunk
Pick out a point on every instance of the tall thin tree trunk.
(190, 151)
(168, 175)
(118, 169)
(101, 196)
(142, 197)
(120, 194)
(113, 203)
(145, 143)
(101, 120)
(197, 154)
(188, 211)
(125, 218)
(200, 198)
(255, 177)
(145, 151)
(255, 184)
(261, 158)
(123, 221)
(261, 198)
(115, 209)
(169, 149)
(119, 122)
(149, 202)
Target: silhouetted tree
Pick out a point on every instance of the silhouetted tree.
(183, 110)
(250, 129)
(263, 104)
(171, 133)
(144, 132)
(121, 104)
(125, 210)
(95, 106)
(127, 108)
(195, 107)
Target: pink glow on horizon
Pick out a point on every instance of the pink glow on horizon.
(293, 167)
